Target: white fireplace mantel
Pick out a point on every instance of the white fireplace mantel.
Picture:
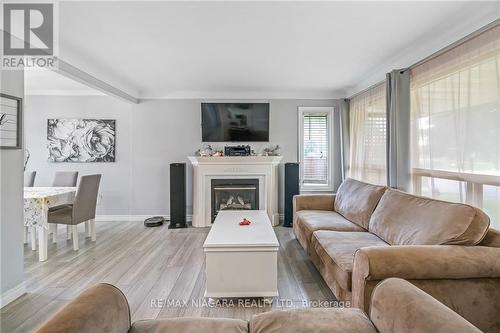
(263, 168)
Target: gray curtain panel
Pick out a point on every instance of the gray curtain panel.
(337, 149)
(344, 137)
(398, 129)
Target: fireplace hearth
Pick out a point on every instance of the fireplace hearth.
(234, 194)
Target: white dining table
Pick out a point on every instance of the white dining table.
(37, 202)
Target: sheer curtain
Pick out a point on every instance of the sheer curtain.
(367, 129)
(455, 108)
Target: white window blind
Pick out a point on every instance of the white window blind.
(315, 148)
(315, 162)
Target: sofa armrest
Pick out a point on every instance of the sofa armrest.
(313, 202)
(102, 308)
(399, 306)
(418, 262)
(425, 263)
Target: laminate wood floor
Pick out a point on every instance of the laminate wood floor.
(148, 264)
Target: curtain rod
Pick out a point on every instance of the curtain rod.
(366, 89)
(438, 53)
(457, 43)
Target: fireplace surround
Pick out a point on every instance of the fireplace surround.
(262, 168)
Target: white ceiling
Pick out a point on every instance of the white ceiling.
(256, 49)
(47, 82)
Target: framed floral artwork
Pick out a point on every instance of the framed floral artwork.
(81, 140)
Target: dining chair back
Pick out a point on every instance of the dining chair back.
(29, 178)
(85, 203)
(65, 179)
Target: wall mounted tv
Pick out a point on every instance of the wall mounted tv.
(235, 122)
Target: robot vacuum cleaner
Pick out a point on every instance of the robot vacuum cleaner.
(154, 221)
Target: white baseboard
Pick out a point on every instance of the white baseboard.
(131, 218)
(12, 294)
(141, 218)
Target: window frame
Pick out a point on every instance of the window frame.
(303, 110)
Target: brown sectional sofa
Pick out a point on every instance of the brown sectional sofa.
(367, 233)
(397, 307)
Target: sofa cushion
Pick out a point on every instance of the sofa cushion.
(331, 320)
(404, 219)
(190, 325)
(308, 221)
(334, 253)
(356, 201)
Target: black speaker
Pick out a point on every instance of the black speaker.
(291, 189)
(177, 195)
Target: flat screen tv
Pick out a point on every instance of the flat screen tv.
(235, 122)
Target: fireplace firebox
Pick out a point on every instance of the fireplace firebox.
(234, 194)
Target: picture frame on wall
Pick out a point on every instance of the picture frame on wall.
(81, 140)
(10, 122)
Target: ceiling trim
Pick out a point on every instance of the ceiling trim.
(66, 69)
(240, 95)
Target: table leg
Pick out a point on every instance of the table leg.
(53, 226)
(25, 235)
(33, 238)
(42, 243)
(43, 233)
(87, 228)
(68, 232)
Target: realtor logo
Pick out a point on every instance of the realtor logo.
(28, 29)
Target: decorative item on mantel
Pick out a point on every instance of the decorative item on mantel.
(205, 151)
(208, 151)
(272, 151)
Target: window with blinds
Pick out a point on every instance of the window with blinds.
(315, 148)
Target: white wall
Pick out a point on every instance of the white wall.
(11, 203)
(150, 136)
(116, 180)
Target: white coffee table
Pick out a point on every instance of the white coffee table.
(241, 261)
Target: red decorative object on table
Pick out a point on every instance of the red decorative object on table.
(245, 222)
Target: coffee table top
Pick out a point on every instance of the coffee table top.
(226, 231)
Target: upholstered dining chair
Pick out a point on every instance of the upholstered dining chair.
(65, 179)
(82, 209)
(29, 178)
